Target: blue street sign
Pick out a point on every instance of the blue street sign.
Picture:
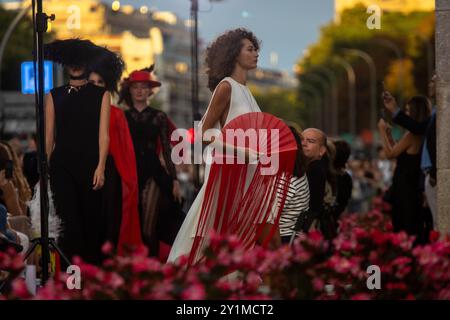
(28, 77)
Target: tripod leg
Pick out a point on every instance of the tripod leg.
(31, 249)
(55, 246)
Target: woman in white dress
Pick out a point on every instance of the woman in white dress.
(229, 59)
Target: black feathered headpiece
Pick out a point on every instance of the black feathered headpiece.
(72, 52)
(109, 66)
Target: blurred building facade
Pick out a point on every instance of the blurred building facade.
(142, 37)
(267, 79)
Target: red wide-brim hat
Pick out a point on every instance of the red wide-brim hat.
(143, 76)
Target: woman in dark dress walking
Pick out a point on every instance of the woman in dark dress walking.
(407, 201)
(159, 189)
(120, 199)
(77, 141)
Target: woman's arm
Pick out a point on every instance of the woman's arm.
(218, 107)
(218, 111)
(49, 125)
(393, 150)
(166, 151)
(103, 141)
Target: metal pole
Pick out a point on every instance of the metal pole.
(314, 93)
(334, 96)
(194, 74)
(351, 92)
(373, 88)
(41, 28)
(326, 99)
(392, 45)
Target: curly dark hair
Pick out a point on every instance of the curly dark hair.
(221, 55)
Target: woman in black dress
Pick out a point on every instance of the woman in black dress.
(406, 198)
(159, 190)
(344, 183)
(77, 141)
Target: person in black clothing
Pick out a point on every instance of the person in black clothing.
(30, 166)
(344, 183)
(159, 190)
(427, 127)
(406, 198)
(314, 143)
(77, 141)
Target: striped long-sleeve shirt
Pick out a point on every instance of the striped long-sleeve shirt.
(297, 202)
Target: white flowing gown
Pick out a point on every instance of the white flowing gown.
(241, 102)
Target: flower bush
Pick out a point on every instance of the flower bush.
(312, 268)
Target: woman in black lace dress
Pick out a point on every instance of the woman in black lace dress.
(159, 190)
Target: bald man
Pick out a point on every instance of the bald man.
(314, 147)
(314, 144)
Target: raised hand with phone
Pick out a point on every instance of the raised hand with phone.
(390, 104)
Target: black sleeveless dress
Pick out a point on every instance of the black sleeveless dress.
(406, 196)
(72, 166)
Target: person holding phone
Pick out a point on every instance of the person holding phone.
(427, 127)
(406, 198)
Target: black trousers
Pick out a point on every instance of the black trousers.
(79, 207)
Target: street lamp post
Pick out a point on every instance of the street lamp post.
(318, 104)
(194, 78)
(351, 92)
(326, 99)
(393, 46)
(373, 86)
(334, 96)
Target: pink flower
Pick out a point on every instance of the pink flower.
(361, 296)
(373, 256)
(145, 265)
(20, 290)
(315, 237)
(162, 290)
(318, 284)
(401, 261)
(168, 270)
(378, 237)
(302, 256)
(253, 280)
(141, 251)
(234, 242)
(113, 280)
(107, 248)
(194, 292)
(434, 236)
(343, 244)
(396, 286)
